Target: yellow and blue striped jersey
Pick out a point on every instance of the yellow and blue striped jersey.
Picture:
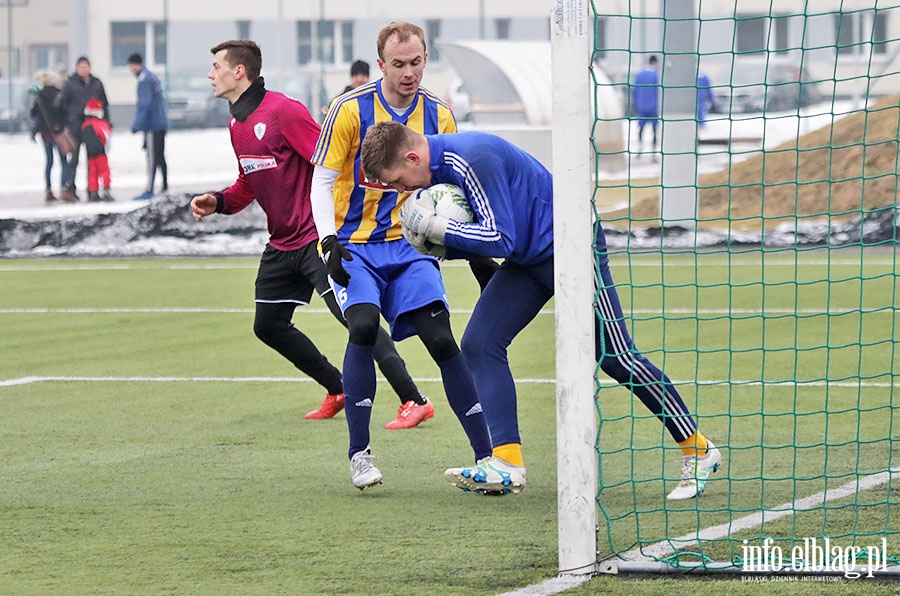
(366, 211)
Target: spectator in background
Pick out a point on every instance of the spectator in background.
(706, 101)
(150, 118)
(95, 136)
(359, 75)
(645, 99)
(77, 90)
(48, 120)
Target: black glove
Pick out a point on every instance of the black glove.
(333, 253)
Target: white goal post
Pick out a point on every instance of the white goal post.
(576, 425)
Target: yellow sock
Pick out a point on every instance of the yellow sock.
(511, 453)
(696, 444)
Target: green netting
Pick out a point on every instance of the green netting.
(774, 309)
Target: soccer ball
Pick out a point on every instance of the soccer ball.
(450, 202)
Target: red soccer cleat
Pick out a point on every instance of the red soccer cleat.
(331, 405)
(411, 414)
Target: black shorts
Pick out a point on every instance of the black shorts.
(291, 276)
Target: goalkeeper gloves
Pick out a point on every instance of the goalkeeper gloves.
(422, 246)
(417, 215)
(333, 254)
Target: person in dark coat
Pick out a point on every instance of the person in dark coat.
(77, 90)
(48, 120)
(150, 118)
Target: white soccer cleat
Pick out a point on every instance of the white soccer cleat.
(490, 476)
(695, 471)
(362, 472)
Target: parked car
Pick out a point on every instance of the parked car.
(191, 102)
(758, 86)
(15, 117)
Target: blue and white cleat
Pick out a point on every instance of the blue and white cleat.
(490, 476)
(695, 471)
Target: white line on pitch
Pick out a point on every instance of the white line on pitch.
(531, 381)
(667, 547)
(546, 311)
(636, 260)
(72, 379)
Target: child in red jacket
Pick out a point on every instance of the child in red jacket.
(96, 133)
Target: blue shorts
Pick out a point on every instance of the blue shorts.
(393, 277)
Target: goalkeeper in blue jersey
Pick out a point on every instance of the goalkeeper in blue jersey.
(511, 194)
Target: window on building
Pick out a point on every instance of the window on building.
(599, 37)
(347, 53)
(502, 27)
(751, 34)
(328, 42)
(243, 29)
(49, 57)
(160, 44)
(304, 42)
(854, 31)
(762, 34)
(432, 32)
(145, 38)
(781, 35)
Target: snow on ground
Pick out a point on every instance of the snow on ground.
(203, 160)
(198, 160)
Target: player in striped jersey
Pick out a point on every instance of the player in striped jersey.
(273, 137)
(375, 271)
(511, 194)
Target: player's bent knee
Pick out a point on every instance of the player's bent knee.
(269, 330)
(472, 347)
(363, 322)
(442, 347)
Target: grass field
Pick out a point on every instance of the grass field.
(150, 444)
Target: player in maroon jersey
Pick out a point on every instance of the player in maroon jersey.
(274, 137)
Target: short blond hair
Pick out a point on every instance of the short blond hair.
(403, 31)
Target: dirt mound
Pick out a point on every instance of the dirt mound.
(839, 171)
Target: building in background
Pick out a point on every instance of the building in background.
(308, 45)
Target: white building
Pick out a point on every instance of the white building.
(315, 40)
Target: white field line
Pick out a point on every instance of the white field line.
(551, 586)
(753, 520)
(546, 311)
(561, 583)
(652, 260)
(526, 381)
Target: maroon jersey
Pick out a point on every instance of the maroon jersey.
(274, 146)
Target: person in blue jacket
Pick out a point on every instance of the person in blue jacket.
(151, 118)
(645, 99)
(706, 101)
(511, 195)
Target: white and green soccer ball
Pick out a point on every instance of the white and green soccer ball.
(450, 202)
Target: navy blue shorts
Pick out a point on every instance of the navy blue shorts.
(393, 277)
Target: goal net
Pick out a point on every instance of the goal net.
(747, 185)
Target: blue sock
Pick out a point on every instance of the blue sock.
(359, 394)
(460, 390)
